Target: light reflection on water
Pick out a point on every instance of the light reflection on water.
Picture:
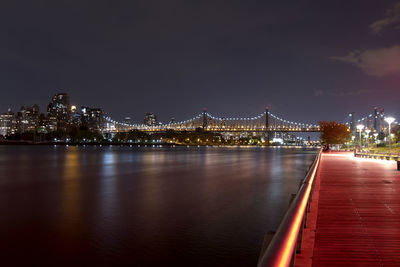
(144, 206)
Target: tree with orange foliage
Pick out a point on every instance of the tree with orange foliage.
(333, 132)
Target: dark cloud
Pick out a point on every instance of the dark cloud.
(351, 93)
(323, 93)
(319, 92)
(376, 62)
(392, 18)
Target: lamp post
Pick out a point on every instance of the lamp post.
(353, 137)
(360, 127)
(376, 139)
(389, 120)
(367, 131)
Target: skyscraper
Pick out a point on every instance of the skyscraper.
(353, 123)
(150, 119)
(375, 120)
(92, 118)
(58, 111)
(7, 123)
(28, 118)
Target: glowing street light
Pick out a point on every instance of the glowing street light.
(360, 127)
(367, 131)
(389, 120)
(376, 138)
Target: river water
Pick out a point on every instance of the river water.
(179, 206)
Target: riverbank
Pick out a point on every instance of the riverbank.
(150, 144)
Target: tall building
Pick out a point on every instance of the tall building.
(381, 120)
(92, 118)
(76, 116)
(28, 118)
(353, 123)
(58, 111)
(44, 124)
(375, 120)
(7, 123)
(150, 119)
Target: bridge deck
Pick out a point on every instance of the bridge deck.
(357, 214)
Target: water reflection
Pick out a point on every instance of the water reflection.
(108, 184)
(146, 206)
(70, 208)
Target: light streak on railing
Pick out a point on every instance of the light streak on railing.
(281, 249)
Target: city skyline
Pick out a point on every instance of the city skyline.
(150, 118)
(138, 118)
(174, 60)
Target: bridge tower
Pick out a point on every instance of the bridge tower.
(381, 117)
(267, 124)
(205, 122)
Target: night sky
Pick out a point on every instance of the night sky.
(306, 60)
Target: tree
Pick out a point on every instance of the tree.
(333, 132)
(83, 134)
(381, 136)
(396, 132)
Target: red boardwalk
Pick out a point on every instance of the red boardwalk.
(358, 217)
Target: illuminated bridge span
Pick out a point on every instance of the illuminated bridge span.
(264, 122)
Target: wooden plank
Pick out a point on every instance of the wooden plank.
(358, 222)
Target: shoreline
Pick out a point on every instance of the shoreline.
(31, 143)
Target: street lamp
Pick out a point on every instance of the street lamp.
(367, 131)
(376, 138)
(360, 127)
(389, 120)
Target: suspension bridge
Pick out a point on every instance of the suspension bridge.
(264, 122)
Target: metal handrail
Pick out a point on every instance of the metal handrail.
(372, 151)
(377, 155)
(281, 249)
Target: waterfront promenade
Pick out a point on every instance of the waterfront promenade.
(355, 214)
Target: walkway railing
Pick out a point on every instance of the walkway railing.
(377, 155)
(286, 242)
